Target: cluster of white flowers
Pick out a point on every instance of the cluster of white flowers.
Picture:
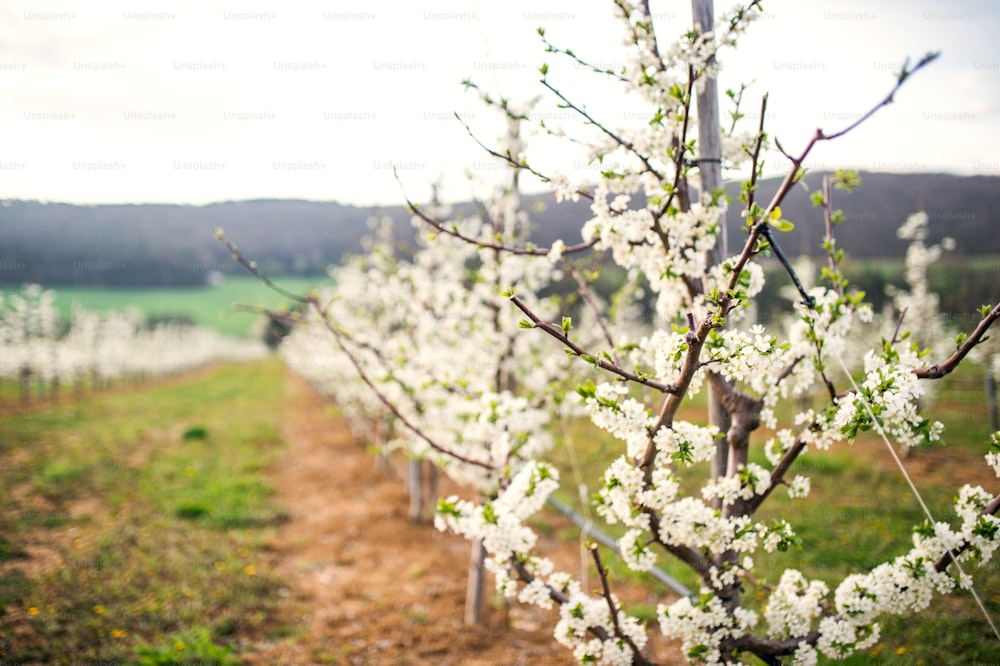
(747, 356)
(794, 605)
(686, 443)
(627, 419)
(103, 346)
(702, 625)
(747, 482)
(890, 392)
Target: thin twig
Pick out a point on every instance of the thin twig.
(575, 349)
(903, 75)
(679, 159)
(831, 252)
(755, 155)
(588, 297)
(627, 145)
(252, 267)
(637, 657)
(899, 324)
(794, 176)
(535, 252)
(787, 371)
(942, 369)
(557, 596)
(552, 48)
(513, 163)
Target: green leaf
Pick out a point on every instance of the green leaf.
(846, 179)
(544, 69)
(525, 323)
(567, 324)
(588, 390)
(782, 225)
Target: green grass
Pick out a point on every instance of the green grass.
(206, 306)
(154, 542)
(859, 513)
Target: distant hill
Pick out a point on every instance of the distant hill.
(158, 244)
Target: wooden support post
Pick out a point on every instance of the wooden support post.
(991, 397)
(474, 594)
(710, 171)
(414, 487)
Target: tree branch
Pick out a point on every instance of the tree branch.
(942, 369)
(577, 350)
(557, 596)
(536, 252)
(252, 267)
(637, 657)
(588, 297)
(627, 145)
(513, 163)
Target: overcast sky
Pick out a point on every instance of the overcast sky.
(195, 101)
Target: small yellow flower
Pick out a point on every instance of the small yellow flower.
(32, 611)
(119, 633)
(901, 650)
(50, 608)
(250, 570)
(179, 646)
(98, 609)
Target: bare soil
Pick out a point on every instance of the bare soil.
(372, 587)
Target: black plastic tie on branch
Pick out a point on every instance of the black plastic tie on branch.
(807, 300)
(694, 163)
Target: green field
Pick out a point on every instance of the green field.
(145, 516)
(206, 306)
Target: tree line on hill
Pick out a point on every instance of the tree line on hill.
(173, 245)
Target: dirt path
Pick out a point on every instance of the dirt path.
(374, 588)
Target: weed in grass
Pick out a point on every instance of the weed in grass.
(196, 432)
(10, 551)
(192, 511)
(190, 647)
